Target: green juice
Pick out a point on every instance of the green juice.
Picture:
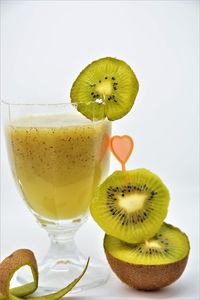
(56, 160)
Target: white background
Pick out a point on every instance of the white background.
(44, 46)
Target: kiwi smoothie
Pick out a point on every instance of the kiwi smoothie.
(56, 160)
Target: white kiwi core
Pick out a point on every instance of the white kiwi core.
(132, 202)
(153, 244)
(104, 88)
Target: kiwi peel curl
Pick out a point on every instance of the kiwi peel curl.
(14, 262)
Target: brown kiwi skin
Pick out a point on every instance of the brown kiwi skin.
(147, 277)
(10, 264)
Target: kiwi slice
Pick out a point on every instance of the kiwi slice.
(131, 205)
(152, 264)
(105, 88)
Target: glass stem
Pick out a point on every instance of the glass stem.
(63, 248)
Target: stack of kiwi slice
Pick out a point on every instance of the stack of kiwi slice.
(130, 206)
(144, 252)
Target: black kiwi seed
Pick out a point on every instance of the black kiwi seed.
(106, 77)
(92, 93)
(113, 78)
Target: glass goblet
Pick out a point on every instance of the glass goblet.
(56, 158)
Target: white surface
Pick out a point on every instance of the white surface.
(44, 46)
(19, 230)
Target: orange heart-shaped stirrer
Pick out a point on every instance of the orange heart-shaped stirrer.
(122, 147)
(105, 145)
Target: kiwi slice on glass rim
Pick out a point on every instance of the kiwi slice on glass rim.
(131, 205)
(152, 264)
(105, 88)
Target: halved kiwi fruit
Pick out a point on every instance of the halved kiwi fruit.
(131, 205)
(105, 88)
(152, 264)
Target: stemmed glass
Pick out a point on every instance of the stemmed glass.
(56, 158)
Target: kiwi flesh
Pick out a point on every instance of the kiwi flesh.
(105, 88)
(131, 205)
(152, 264)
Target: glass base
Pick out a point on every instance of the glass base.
(54, 276)
(64, 262)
